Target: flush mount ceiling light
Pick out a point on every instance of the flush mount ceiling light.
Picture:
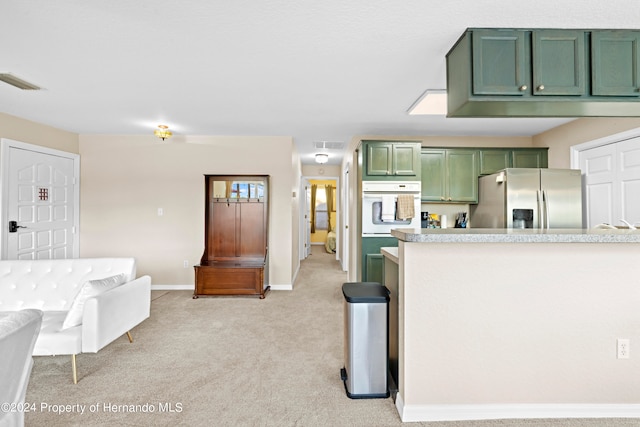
(322, 158)
(18, 82)
(162, 132)
(432, 102)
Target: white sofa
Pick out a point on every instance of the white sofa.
(52, 286)
(18, 333)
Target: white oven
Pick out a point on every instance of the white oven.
(379, 206)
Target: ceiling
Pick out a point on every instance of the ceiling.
(314, 70)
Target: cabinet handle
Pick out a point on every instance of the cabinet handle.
(541, 87)
(449, 199)
(523, 88)
(442, 198)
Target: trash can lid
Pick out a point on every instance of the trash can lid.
(365, 292)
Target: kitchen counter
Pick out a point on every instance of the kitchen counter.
(492, 235)
(499, 323)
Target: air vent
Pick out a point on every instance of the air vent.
(18, 82)
(329, 145)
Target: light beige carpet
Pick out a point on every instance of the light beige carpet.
(228, 362)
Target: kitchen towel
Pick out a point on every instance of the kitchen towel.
(388, 211)
(405, 206)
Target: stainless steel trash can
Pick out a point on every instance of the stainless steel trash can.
(366, 354)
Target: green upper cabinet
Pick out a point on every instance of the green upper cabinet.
(517, 62)
(494, 159)
(432, 184)
(395, 161)
(558, 62)
(615, 63)
(500, 62)
(529, 158)
(544, 73)
(449, 175)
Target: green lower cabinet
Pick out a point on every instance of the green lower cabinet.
(374, 268)
(372, 259)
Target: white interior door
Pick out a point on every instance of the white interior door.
(612, 182)
(628, 155)
(598, 167)
(307, 218)
(344, 235)
(40, 195)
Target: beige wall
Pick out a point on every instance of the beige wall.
(125, 179)
(560, 139)
(516, 323)
(22, 130)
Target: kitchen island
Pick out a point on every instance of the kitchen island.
(517, 323)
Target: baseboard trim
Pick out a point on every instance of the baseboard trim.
(285, 287)
(426, 413)
(288, 287)
(172, 287)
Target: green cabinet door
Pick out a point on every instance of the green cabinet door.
(371, 258)
(449, 175)
(558, 62)
(500, 62)
(405, 159)
(462, 176)
(374, 268)
(433, 175)
(529, 158)
(615, 63)
(379, 158)
(387, 160)
(492, 160)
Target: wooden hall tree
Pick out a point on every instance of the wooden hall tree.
(236, 236)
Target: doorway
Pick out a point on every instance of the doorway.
(321, 222)
(40, 202)
(611, 170)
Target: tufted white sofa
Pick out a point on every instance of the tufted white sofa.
(52, 286)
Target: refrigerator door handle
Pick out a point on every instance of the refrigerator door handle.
(545, 201)
(540, 213)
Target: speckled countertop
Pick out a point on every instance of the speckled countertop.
(490, 235)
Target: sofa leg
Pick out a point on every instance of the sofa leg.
(73, 368)
(129, 336)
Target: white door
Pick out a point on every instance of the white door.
(344, 235)
(598, 167)
(40, 202)
(612, 183)
(628, 154)
(307, 218)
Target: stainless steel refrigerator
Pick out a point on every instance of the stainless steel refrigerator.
(529, 198)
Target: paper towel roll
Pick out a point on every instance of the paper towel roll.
(443, 221)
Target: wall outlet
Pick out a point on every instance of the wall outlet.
(185, 263)
(623, 348)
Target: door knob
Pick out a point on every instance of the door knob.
(13, 226)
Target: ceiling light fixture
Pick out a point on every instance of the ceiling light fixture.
(162, 132)
(432, 102)
(322, 158)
